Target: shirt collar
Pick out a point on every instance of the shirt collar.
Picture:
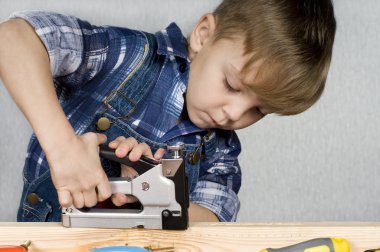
(184, 128)
(172, 42)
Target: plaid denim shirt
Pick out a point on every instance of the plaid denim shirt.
(156, 118)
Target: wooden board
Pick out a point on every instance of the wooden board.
(210, 237)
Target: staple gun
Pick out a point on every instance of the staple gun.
(161, 188)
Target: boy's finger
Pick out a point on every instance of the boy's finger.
(142, 149)
(64, 198)
(90, 198)
(103, 190)
(114, 143)
(101, 138)
(125, 147)
(128, 172)
(119, 199)
(78, 199)
(159, 153)
(131, 199)
(120, 139)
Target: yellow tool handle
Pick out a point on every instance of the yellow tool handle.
(316, 245)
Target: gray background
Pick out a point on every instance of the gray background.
(321, 165)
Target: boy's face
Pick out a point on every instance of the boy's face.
(217, 96)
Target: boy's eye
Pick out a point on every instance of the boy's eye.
(229, 87)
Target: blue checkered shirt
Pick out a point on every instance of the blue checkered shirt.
(157, 117)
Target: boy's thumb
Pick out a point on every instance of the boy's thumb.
(101, 138)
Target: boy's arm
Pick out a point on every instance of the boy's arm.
(25, 71)
(220, 177)
(199, 213)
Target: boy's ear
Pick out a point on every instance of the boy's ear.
(202, 32)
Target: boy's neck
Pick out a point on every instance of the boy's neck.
(184, 115)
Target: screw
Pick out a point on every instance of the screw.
(166, 213)
(145, 186)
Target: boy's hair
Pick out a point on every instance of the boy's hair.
(291, 39)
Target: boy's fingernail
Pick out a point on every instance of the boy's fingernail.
(125, 199)
(121, 152)
(133, 157)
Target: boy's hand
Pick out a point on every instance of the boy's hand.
(77, 173)
(129, 146)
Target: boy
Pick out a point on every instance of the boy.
(140, 91)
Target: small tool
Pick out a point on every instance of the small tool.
(316, 245)
(20, 248)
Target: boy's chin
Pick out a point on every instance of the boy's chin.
(199, 123)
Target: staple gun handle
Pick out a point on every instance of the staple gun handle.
(142, 165)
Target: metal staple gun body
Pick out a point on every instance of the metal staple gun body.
(161, 188)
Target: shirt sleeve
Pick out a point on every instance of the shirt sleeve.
(220, 178)
(73, 49)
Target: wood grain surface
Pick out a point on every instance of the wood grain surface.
(210, 237)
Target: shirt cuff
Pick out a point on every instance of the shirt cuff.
(219, 199)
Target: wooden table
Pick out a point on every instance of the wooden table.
(209, 237)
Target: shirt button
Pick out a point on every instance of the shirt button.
(103, 123)
(33, 198)
(182, 67)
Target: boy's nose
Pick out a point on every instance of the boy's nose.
(235, 112)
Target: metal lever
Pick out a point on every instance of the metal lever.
(176, 150)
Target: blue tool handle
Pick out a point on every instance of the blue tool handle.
(120, 249)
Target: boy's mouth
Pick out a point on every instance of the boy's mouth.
(213, 122)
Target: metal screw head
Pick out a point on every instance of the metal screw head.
(165, 213)
(145, 186)
(69, 210)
